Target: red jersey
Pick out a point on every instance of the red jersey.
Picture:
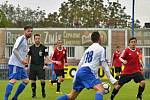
(116, 61)
(132, 58)
(59, 55)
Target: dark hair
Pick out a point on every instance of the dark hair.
(118, 46)
(132, 38)
(28, 27)
(95, 36)
(36, 35)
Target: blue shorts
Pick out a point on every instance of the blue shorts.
(85, 79)
(17, 73)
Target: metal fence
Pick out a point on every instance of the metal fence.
(4, 72)
(147, 73)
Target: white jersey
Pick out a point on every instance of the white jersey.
(92, 57)
(22, 46)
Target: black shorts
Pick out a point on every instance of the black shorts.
(118, 69)
(59, 72)
(137, 77)
(35, 73)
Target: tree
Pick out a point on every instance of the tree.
(52, 20)
(93, 13)
(4, 22)
(21, 17)
(73, 13)
(116, 15)
(81, 13)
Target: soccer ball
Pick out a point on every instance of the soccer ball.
(107, 87)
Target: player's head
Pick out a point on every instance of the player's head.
(59, 43)
(28, 31)
(132, 42)
(118, 48)
(95, 37)
(37, 38)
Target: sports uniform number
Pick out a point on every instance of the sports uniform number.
(89, 56)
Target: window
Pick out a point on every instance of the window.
(8, 51)
(147, 62)
(147, 51)
(70, 51)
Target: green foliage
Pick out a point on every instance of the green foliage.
(72, 13)
(20, 17)
(4, 22)
(91, 13)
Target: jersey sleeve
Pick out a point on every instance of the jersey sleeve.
(30, 51)
(81, 61)
(65, 56)
(46, 51)
(123, 55)
(18, 42)
(102, 55)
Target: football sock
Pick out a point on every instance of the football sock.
(140, 90)
(99, 96)
(58, 86)
(54, 81)
(43, 87)
(64, 97)
(114, 92)
(20, 89)
(9, 88)
(117, 77)
(33, 86)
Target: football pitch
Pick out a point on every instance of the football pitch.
(127, 92)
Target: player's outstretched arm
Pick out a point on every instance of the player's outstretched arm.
(108, 74)
(50, 60)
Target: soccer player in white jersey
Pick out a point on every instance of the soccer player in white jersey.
(17, 64)
(86, 76)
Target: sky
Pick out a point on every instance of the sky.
(142, 7)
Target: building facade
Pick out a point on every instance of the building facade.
(76, 40)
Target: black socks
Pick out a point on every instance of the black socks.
(140, 90)
(114, 92)
(58, 87)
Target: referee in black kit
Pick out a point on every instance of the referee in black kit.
(37, 55)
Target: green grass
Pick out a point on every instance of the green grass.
(127, 92)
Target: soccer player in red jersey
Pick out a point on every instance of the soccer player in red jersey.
(132, 69)
(116, 62)
(59, 55)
